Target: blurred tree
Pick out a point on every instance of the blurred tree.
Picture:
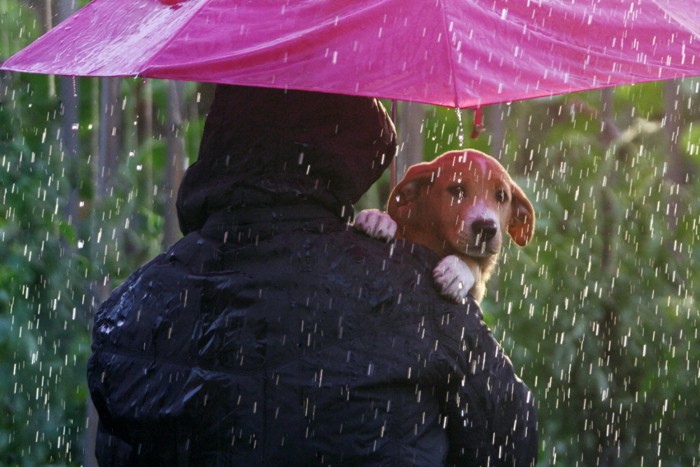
(409, 126)
(612, 305)
(43, 341)
(176, 161)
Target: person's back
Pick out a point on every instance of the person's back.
(273, 334)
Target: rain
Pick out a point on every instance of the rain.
(598, 314)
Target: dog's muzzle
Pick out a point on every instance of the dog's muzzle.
(484, 230)
(479, 239)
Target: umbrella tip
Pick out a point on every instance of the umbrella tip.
(172, 3)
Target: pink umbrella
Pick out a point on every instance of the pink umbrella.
(459, 53)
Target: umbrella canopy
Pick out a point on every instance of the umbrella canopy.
(458, 53)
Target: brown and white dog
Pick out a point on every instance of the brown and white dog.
(459, 205)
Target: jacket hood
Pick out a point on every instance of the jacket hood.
(263, 146)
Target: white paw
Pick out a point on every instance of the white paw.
(376, 224)
(454, 278)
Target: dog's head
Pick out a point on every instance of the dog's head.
(461, 203)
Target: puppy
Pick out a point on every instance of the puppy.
(459, 205)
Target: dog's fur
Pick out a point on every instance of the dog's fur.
(458, 205)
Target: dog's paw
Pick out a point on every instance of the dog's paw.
(376, 224)
(454, 277)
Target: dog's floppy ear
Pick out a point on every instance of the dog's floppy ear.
(404, 196)
(521, 226)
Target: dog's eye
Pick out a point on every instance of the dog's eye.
(501, 196)
(458, 192)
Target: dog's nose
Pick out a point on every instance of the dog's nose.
(485, 229)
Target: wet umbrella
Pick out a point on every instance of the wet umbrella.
(460, 53)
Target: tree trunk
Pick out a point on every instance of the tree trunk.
(68, 96)
(409, 128)
(105, 165)
(611, 352)
(145, 142)
(496, 130)
(109, 132)
(679, 170)
(175, 164)
(48, 24)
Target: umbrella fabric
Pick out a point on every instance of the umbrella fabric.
(461, 53)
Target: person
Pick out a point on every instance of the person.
(273, 333)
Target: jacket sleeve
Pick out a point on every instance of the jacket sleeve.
(490, 413)
(114, 374)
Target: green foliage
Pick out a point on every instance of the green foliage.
(18, 27)
(43, 336)
(449, 129)
(600, 310)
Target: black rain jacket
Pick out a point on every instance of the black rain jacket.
(274, 334)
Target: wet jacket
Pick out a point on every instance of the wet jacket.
(274, 334)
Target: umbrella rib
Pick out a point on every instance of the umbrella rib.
(449, 53)
(147, 64)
